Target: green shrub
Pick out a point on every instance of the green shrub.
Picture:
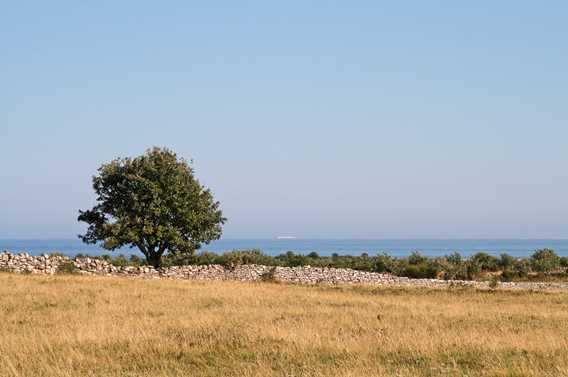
(506, 261)
(485, 262)
(472, 269)
(179, 259)
(135, 260)
(416, 258)
(67, 267)
(240, 257)
(384, 263)
(426, 270)
(206, 258)
(455, 258)
(416, 265)
(510, 275)
(119, 261)
(453, 267)
(545, 260)
(290, 259)
(494, 282)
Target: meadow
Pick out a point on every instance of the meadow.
(69, 325)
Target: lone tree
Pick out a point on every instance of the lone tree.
(153, 202)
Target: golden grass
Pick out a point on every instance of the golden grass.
(88, 326)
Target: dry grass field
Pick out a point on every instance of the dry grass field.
(87, 326)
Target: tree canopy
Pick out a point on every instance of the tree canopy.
(152, 202)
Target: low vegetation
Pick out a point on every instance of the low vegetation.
(68, 325)
(543, 265)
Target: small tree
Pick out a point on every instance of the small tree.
(152, 202)
(545, 260)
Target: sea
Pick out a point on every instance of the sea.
(394, 247)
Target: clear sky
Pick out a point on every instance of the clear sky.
(438, 119)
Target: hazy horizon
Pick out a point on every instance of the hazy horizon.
(318, 120)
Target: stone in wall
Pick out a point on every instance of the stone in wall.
(46, 264)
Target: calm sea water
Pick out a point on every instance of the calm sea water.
(322, 246)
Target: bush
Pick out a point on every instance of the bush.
(510, 275)
(545, 260)
(290, 259)
(453, 267)
(119, 261)
(472, 269)
(179, 260)
(206, 257)
(485, 262)
(522, 267)
(135, 260)
(384, 263)
(421, 271)
(416, 265)
(67, 267)
(240, 257)
(494, 282)
(506, 261)
(455, 258)
(416, 258)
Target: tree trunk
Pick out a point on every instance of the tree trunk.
(154, 259)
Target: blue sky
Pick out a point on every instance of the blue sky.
(320, 119)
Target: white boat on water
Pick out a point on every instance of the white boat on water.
(286, 238)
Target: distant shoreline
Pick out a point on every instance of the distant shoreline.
(394, 247)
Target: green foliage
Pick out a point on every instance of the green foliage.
(152, 202)
(119, 261)
(506, 262)
(135, 260)
(545, 260)
(425, 270)
(384, 263)
(293, 260)
(455, 259)
(472, 269)
(240, 257)
(522, 267)
(450, 267)
(485, 262)
(67, 267)
(123, 261)
(416, 258)
(494, 282)
(453, 267)
(205, 258)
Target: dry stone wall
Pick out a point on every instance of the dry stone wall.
(52, 264)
